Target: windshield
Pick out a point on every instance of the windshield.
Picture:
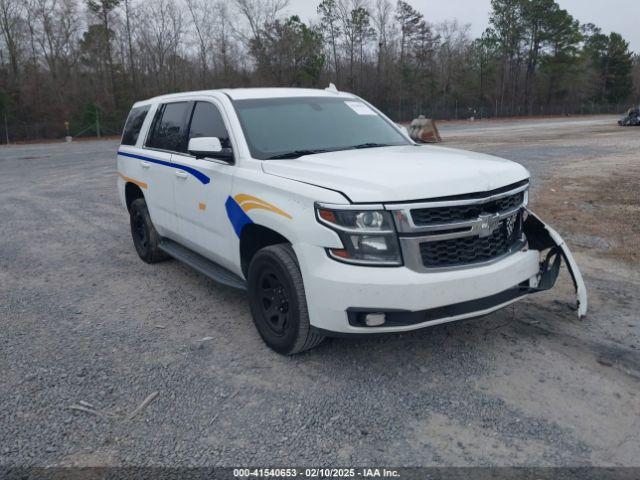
(278, 128)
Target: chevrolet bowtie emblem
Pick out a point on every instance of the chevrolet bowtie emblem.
(488, 224)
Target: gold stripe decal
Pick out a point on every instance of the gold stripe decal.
(249, 202)
(135, 182)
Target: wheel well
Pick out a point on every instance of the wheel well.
(253, 238)
(132, 192)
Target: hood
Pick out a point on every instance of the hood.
(397, 174)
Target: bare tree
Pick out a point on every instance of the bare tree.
(329, 22)
(160, 41)
(258, 13)
(382, 22)
(55, 28)
(355, 25)
(454, 45)
(225, 48)
(202, 18)
(128, 14)
(11, 12)
(409, 20)
(104, 10)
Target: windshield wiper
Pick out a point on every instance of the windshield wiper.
(295, 154)
(369, 145)
(301, 153)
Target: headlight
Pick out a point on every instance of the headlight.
(368, 236)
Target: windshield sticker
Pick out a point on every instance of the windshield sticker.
(360, 108)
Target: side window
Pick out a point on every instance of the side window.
(207, 122)
(169, 128)
(134, 125)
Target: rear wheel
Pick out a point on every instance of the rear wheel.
(144, 234)
(278, 301)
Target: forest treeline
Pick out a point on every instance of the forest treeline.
(86, 61)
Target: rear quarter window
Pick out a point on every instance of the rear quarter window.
(133, 125)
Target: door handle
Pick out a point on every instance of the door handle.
(181, 174)
(145, 164)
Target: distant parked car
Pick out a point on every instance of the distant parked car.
(631, 119)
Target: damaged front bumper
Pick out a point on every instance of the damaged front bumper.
(543, 238)
(411, 300)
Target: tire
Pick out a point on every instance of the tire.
(144, 234)
(278, 302)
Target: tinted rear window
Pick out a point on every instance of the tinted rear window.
(169, 130)
(134, 125)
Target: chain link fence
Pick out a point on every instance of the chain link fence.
(407, 112)
(18, 131)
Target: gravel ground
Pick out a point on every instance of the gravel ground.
(82, 319)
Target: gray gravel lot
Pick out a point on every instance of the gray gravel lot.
(83, 319)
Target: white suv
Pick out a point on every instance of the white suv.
(331, 217)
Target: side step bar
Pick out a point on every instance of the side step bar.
(202, 265)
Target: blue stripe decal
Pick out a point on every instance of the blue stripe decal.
(236, 215)
(199, 175)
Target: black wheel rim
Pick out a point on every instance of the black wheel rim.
(140, 230)
(273, 298)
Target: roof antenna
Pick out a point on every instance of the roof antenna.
(331, 88)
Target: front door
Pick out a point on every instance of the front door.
(201, 188)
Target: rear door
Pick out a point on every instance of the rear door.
(202, 186)
(167, 135)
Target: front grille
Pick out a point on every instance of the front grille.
(467, 250)
(463, 230)
(431, 216)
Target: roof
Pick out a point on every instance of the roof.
(252, 93)
(247, 93)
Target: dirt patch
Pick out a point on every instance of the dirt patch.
(596, 212)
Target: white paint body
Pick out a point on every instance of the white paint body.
(379, 175)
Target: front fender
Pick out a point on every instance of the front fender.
(541, 236)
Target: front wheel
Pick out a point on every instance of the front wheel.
(278, 302)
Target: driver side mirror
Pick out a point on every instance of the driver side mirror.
(209, 147)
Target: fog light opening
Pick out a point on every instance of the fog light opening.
(375, 319)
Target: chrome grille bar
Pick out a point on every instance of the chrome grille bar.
(404, 220)
(413, 236)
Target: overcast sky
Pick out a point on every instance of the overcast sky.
(622, 16)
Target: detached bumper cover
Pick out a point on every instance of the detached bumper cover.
(542, 237)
